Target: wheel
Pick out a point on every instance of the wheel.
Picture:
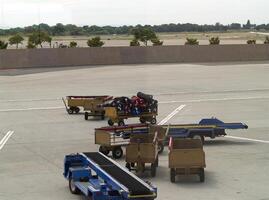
(77, 110)
(128, 166)
(153, 168)
(160, 148)
(70, 111)
(200, 137)
(103, 150)
(157, 161)
(72, 187)
(86, 115)
(142, 120)
(153, 120)
(110, 122)
(121, 123)
(117, 152)
(172, 175)
(202, 175)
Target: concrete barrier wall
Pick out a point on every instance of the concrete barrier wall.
(24, 58)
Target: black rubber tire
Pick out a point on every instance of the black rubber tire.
(153, 120)
(73, 189)
(153, 169)
(117, 152)
(70, 111)
(128, 166)
(104, 150)
(172, 175)
(142, 120)
(86, 115)
(77, 109)
(110, 122)
(121, 123)
(202, 175)
(160, 148)
(157, 161)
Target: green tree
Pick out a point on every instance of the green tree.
(144, 35)
(214, 41)
(73, 44)
(3, 44)
(38, 38)
(156, 42)
(16, 39)
(95, 42)
(30, 45)
(134, 42)
(192, 41)
(266, 40)
(251, 42)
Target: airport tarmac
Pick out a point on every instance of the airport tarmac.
(36, 132)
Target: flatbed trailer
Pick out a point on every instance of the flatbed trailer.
(100, 178)
(115, 116)
(90, 104)
(211, 127)
(113, 138)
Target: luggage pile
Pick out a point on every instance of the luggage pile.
(141, 103)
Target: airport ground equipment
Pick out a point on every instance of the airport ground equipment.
(100, 178)
(142, 151)
(90, 104)
(113, 138)
(211, 127)
(115, 116)
(186, 157)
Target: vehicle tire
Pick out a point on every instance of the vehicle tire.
(121, 123)
(202, 175)
(157, 161)
(153, 168)
(110, 122)
(142, 120)
(153, 120)
(200, 137)
(72, 187)
(70, 111)
(103, 150)
(86, 115)
(160, 148)
(117, 152)
(77, 109)
(128, 166)
(172, 175)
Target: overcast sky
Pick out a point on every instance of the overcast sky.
(21, 13)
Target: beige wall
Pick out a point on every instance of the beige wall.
(23, 58)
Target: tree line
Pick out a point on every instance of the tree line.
(70, 29)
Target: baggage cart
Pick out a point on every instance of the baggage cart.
(142, 150)
(115, 116)
(186, 157)
(90, 104)
(113, 138)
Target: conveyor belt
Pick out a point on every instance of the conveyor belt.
(133, 185)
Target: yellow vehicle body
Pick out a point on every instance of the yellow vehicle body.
(186, 156)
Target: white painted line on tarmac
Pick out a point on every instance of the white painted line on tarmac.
(219, 99)
(5, 139)
(29, 109)
(172, 114)
(248, 139)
